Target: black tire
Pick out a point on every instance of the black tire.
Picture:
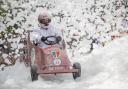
(77, 66)
(34, 75)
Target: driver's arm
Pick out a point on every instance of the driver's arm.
(60, 35)
(36, 37)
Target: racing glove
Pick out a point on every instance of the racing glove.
(43, 38)
(58, 39)
(35, 42)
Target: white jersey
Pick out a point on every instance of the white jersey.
(49, 31)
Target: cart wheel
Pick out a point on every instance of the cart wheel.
(77, 66)
(34, 75)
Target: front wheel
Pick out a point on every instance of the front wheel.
(77, 66)
(34, 75)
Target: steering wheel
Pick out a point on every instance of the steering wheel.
(51, 40)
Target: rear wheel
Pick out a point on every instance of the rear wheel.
(34, 75)
(77, 66)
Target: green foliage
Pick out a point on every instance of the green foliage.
(3, 12)
(2, 34)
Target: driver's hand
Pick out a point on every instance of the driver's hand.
(43, 38)
(59, 38)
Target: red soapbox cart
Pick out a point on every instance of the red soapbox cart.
(50, 60)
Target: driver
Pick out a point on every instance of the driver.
(46, 29)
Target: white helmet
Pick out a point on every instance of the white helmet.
(44, 18)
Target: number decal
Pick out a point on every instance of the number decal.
(57, 62)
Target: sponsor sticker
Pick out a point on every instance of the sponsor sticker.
(56, 54)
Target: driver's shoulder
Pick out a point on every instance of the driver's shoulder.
(37, 29)
(56, 28)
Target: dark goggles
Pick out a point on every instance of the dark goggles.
(43, 21)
